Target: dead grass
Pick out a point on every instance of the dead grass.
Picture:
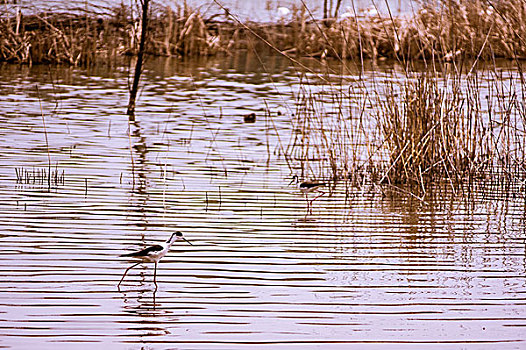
(420, 129)
(448, 30)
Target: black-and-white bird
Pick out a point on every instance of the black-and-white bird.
(307, 187)
(153, 254)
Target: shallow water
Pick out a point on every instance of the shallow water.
(376, 271)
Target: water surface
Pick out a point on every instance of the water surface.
(364, 268)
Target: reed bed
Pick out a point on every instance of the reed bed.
(62, 38)
(420, 129)
(89, 39)
(429, 133)
(446, 30)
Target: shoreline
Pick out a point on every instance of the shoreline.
(449, 32)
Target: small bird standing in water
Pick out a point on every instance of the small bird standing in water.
(153, 254)
(307, 187)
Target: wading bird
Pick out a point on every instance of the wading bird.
(153, 254)
(307, 187)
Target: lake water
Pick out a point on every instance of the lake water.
(363, 270)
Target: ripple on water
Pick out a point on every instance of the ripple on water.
(365, 269)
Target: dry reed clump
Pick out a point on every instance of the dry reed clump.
(477, 28)
(83, 39)
(61, 38)
(351, 38)
(423, 129)
(433, 130)
(445, 30)
(454, 128)
(184, 32)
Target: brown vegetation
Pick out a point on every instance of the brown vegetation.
(447, 30)
(424, 128)
(84, 39)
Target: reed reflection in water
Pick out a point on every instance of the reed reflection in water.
(366, 268)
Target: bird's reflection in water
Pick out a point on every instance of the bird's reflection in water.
(141, 302)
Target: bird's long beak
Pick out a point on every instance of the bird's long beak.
(187, 241)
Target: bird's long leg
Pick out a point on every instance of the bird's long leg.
(318, 196)
(155, 275)
(125, 272)
(310, 204)
(313, 199)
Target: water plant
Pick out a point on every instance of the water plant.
(40, 176)
(421, 128)
(445, 30)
